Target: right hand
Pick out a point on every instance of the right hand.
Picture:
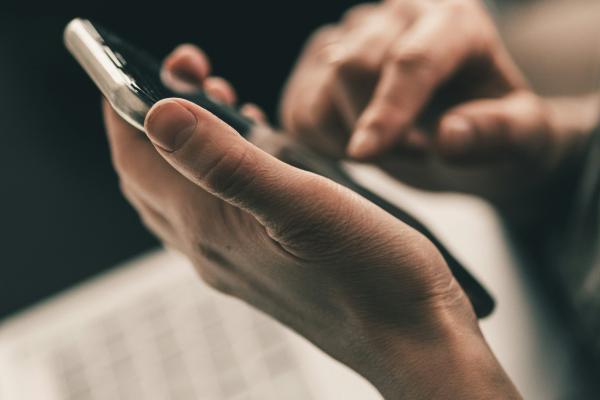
(375, 71)
(365, 88)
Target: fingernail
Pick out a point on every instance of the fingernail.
(459, 134)
(363, 144)
(169, 125)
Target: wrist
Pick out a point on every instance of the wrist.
(448, 361)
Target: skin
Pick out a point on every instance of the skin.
(426, 90)
(361, 285)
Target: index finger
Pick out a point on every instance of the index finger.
(429, 53)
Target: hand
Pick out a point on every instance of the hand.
(358, 283)
(378, 69)
(427, 90)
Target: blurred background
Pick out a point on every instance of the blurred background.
(62, 216)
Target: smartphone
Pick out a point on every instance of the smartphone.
(130, 80)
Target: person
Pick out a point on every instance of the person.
(361, 285)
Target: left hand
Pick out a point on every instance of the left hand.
(361, 285)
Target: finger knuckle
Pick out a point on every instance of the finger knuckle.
(310, 231)
(530, 100)
(413, 58)
(323, 35)
(231, 173)
(351, 66)
(535, 109)
(357, 13)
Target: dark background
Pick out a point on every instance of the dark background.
(62, 217)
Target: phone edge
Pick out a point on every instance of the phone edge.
(85, 44)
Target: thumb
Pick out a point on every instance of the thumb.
(215, 157)
(517, 125)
